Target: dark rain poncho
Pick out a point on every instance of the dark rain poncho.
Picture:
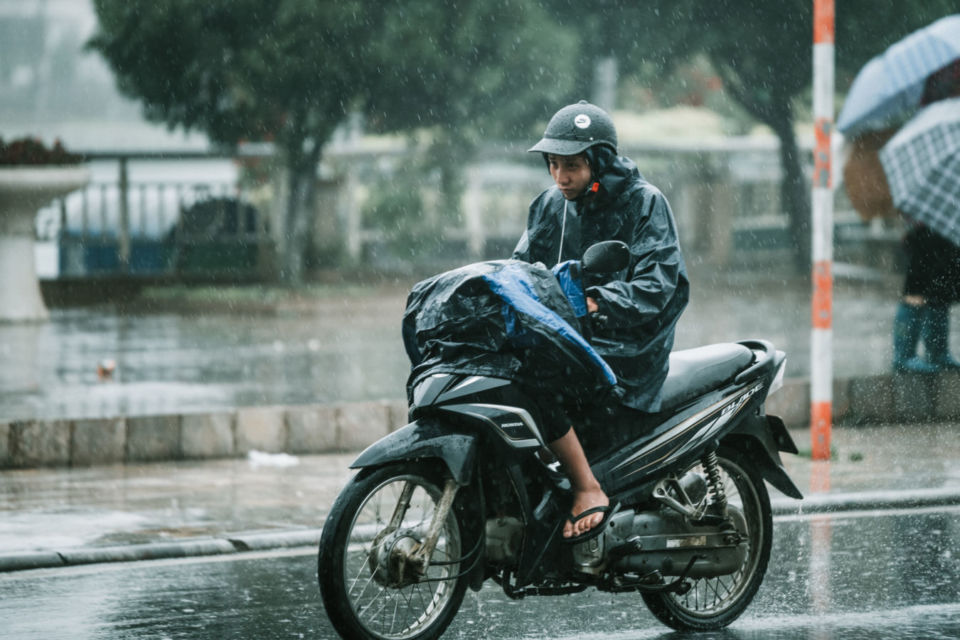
(639, 307)
(507, 319)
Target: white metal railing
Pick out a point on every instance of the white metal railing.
(130, 217)
(716, 189)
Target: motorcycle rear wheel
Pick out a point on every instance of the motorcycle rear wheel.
(358, 580)
(714, 603)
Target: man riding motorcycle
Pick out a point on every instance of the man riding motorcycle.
(598, 196)
(502, 366)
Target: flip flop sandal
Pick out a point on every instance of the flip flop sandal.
(608, 512)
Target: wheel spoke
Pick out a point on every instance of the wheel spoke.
(713, 584)
(360, 573)
(398, 514)
(393, 620)
(712, 597)
(373, 601)
(426, 605)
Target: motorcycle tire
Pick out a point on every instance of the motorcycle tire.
(714, 603)
(360, 565)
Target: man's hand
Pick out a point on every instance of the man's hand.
(592, 305)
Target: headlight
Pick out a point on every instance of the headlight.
(778, 379)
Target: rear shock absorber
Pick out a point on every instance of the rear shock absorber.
(714, 481)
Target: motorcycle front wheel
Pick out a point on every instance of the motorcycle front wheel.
(713, 603)
(369, 587)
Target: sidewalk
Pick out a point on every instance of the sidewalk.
(63, 517)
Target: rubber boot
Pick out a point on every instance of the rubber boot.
(936, 337)
(907, 326)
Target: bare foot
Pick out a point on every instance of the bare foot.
(582, 501)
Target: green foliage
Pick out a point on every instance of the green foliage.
(280, 70)
(487, 69)
(397, 207)
(466, 70)
(806, 452)
(762, 51)
(238, 69)
(865, 28)
(290, 71)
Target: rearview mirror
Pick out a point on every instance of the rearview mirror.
(606, 257)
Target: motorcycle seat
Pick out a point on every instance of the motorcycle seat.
(694, 372)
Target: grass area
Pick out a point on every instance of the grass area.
(253, 297)
(250, 293)
(808, 453)
(855, 456)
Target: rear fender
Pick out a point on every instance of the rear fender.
(763, 438)
(424, 439)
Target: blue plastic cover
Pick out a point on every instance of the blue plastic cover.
(513, 284)
(568, 276)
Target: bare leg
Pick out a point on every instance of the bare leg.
(587, 492)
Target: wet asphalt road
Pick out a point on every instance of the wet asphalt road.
(887, 574)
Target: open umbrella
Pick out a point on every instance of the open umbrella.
(891, 84)
(922, 165)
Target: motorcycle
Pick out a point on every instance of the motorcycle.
(466, 493)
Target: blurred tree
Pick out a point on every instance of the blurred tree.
(467, 72)
(290, 71)
(865, 28)
(281, 70)
(761, 50)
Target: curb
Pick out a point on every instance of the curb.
(300, 429)
(337, 428)
(236, 543)
(253, 541)
(865, 501)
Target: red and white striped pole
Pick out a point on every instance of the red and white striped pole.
(821, 348)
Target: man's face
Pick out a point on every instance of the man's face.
(571, 173)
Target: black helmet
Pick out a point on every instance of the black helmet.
(575, 128)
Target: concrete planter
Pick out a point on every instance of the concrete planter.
(23, 190)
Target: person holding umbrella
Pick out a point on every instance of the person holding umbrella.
(922, 165)
(914, 171)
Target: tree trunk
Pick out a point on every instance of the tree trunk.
(450, 154)
(297, 221)
(775, 111)
(794, 195)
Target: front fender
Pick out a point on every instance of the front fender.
(425, 438)
(763, 438)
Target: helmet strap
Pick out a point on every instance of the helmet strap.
(563, 228)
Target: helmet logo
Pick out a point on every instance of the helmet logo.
(582, 121)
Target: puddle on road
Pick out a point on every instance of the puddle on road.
(343, 350)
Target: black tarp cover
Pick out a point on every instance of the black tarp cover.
(503, 318)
